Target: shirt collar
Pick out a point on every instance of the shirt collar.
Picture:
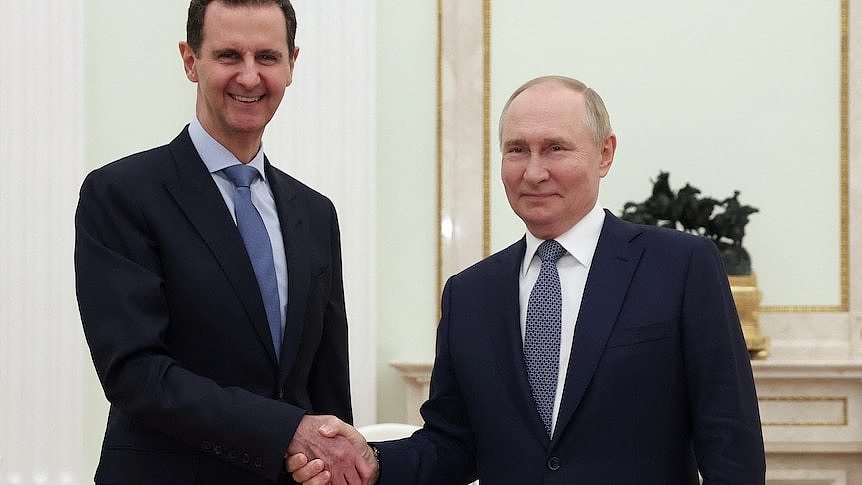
(215, 156)
(580, 240)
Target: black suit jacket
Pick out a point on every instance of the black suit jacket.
(658, 385)
(177, 330)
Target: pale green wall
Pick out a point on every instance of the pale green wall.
(137, 94)
(407, 191)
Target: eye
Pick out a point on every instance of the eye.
(556, 148)
(228, 55)
(516, 150)
(267, 59)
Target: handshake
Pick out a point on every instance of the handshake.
(325, 449)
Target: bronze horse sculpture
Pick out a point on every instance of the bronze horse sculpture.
(686, 211)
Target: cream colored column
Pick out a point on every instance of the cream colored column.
(462, 145)
(42, 353)
(462, 135)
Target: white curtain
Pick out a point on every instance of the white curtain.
(324, 135)
(42, 354)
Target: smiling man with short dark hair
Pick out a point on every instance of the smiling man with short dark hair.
(209, 282)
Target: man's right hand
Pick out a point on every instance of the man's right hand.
(338, 454)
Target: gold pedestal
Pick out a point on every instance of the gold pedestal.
(747, 297)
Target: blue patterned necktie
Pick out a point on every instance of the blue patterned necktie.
(542, 334)
(257, 244)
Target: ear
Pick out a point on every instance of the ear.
(609, 147)
(292, 65)
(188, 56)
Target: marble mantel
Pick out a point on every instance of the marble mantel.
(810, 406)
(417, 376)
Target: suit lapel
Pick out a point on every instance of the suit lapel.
(202, 203)
(503, 309)
(611, 271)
(291, 219)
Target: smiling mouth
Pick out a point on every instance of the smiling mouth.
(246, 99)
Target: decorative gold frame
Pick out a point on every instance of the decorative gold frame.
(843, 189)
(486, 192)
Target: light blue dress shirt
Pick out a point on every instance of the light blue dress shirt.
(216, 157)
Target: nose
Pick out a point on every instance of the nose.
(248, 76)
(535, 171)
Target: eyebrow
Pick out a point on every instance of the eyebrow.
(264, 52)
(269, 52)
(556, 141)
(223, 51)
(517, 141)
(545, 141)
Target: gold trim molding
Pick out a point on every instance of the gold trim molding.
(807, 399)
(486, 127)
(844, 196)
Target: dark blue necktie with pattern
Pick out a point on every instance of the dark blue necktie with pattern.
(542, 334)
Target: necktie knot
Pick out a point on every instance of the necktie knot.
(550, 251)
(241, 175)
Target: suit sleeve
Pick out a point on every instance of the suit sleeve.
(728, 443)
(329, 378)
(443, 451)
(121, 297)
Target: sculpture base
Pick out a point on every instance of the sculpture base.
(747, 297)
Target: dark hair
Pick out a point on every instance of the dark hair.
(197, 8)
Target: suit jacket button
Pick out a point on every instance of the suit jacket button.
(553, 463)
(207, 446)
(246, 459)
(258, 462)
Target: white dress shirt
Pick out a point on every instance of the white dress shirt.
(580, 244)
(216, 157)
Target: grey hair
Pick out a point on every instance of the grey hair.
(597, 119)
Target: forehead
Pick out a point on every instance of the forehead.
(262, 26)
(548, 108)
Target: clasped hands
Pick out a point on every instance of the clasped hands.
(325, 449)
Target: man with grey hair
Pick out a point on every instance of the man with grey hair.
(591, 351)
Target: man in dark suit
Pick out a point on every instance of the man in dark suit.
(592, 351)
(209, 282)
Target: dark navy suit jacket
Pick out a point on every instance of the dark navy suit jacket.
(659, 383)
(177, 330)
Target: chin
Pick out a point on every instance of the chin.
(537, 219)
(540, 225)
(247, 127)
